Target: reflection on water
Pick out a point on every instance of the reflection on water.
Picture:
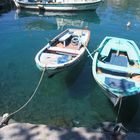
(127, 6)
(5, 7)
(58, 20)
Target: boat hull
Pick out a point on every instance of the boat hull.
(58, 7)
(53, 70)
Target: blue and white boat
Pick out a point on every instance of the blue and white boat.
(58, 5)
(116, 68)
(64, 51)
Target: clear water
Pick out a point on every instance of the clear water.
(72, 97)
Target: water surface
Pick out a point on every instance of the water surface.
(72, 97)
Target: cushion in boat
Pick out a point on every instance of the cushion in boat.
(119, 60)
(63, 59)
(120, 84)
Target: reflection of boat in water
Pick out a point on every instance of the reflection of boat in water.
(59, 20)
(58, 5)
(125, 6)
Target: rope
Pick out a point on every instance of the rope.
(31, 96)
(89, 53)
(119, 109)
(7, 116)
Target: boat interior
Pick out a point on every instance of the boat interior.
(65, 46)
(117, 63)
(70, 42)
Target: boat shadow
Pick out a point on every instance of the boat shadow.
(6, 6)
(128, 109)
(77, 80)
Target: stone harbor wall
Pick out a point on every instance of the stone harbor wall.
(27, 131)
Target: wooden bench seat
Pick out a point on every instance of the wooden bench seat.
(64, 50)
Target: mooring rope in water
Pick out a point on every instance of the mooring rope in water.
(120, 104)
(89, 53)
(7, 116)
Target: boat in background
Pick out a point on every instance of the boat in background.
(116, 68)
(64, 51)
(58, 5)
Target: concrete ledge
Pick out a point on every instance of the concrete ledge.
(26, 131)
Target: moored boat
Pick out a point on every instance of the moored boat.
(58, 5)
(116, 68)
(63, 51)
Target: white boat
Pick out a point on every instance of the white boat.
(64, 51)
(58, 5)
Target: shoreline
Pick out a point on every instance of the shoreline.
(27, 131)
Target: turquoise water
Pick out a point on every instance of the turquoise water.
(72, 97)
